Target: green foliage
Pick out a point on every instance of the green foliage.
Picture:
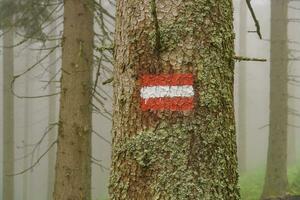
(27, 16)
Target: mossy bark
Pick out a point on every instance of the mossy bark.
(73, 164)
(165, 154)
(276, 181)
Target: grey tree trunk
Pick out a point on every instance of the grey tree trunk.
(73, 160)
(8, 116)
(276, 173)
(169, 149)
(242, 91)
(27, 126)
(52, 135)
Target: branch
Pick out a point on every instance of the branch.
(254, 18)
(35, 163)
(241, 58)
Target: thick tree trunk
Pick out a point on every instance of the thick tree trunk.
(8, 116)
(242, 90)
(276, 174)
(174, 151)
(73, 166)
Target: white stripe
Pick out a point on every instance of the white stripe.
(167, 91)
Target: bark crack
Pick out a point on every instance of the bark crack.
(156, 25)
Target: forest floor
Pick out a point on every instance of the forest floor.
(252, 182)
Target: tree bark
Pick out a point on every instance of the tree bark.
(73, 166)
(165, 154)
(276, 181)
(242, 90)
(8, 116)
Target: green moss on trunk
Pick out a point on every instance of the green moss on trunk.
(175, 155)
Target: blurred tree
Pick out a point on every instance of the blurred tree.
(242, 87)
(174, 151)
(276, 181)
(52, 106)
(73, 162)
(8, 113)
(27, 126)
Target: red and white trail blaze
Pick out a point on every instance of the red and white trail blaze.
(172, 92)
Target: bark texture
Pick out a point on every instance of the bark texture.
(276, 174)
(8, 116)
(73, 166)
(165, 154)
(242, 90)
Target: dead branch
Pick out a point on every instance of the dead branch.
(241, 58)
(36, 162)
(257, 25)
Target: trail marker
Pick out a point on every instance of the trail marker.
(174, 92)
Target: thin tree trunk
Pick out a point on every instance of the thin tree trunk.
(180, 148)
(27, 126)
(242, 89)
(8, 116)
(52, 135)
(292, 139)
(73, 166)
(276, 174)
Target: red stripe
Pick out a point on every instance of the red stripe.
(167, 80)
(173, 104)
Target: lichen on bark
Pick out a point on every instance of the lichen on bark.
(175, 155)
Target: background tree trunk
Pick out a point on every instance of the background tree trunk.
(52, 135)
(242, 89)
(27, 126)
(174, 154)
(73, 167)
(8, 116)
(276, 174)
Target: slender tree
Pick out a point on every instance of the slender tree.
(73, 166)
(276, 181)
(27, 126)
(242, 87)
(52, 135)
(52, 102)
(8, 115)
(173, 124)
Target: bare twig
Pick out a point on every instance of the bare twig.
(36, 162)
(241, 58)
(257, 25)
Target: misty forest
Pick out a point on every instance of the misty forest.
(149, 100)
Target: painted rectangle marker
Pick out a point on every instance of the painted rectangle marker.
(174, 92)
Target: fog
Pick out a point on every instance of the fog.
(33, 117)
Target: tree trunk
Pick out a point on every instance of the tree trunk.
(276, 174)
(242, 89)
(171, 141)
(292, 149)
(8, 116)
(27, 126)
(73, 166)
(52, 135)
